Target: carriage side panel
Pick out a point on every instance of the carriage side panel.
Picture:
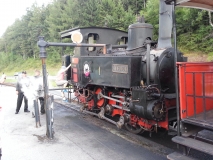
(196, 89)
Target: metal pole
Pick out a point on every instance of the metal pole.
(42, 45)
(148, 63)
(44, 71)
(50, 125)
(176, 69)
(37, 116)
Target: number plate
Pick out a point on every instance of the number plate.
(120, 68)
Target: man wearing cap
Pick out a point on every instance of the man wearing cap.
(37, 83)
(60, 79)
(22, 84)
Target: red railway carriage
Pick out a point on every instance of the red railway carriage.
(196, 107)
(196, 92)
(195, 112)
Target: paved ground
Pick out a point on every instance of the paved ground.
(76, 137)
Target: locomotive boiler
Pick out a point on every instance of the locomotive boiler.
(129, 80)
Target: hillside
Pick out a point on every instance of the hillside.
(52, 67)
(194, 33)
(30, 66)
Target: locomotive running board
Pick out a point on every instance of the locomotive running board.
(178, 156)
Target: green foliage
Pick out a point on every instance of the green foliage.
(193, 30)
(210, 56)
(19, 41)
(115, 16)
(10, 63)
(151, 14)
(195, 33)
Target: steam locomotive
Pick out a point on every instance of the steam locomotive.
(126, 78)
(129, 80)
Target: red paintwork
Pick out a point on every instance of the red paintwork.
(75, 77)
(100, 102)
(134, 120)
(75, 70)
(117, 112)
(147, 124)
(195, 82)
(90, 104)
(75, 60)
(81, 98)
(111, 101)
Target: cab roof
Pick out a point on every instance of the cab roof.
(84, 30)
(199, 4)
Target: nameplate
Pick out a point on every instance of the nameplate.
(120, 68)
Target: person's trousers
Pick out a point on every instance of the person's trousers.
(19, 102)
(41, 99)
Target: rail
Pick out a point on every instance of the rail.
(51, 89)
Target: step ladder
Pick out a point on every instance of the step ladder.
(190, 143)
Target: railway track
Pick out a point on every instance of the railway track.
(8, 84)
(160, 143)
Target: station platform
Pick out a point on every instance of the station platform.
(77, 137)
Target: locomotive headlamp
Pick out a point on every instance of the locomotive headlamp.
(76, 37)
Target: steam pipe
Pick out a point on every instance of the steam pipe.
(47, 44)
(119, 46)
(176, 69)
(148, 64)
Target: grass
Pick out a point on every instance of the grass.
(194, 56)
(30, 65)
(10, 81)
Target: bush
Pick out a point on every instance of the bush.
(210, 56)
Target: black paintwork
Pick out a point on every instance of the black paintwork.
(66, 63)
(102, 36)
(145, 105)
(104, 76)
(127, 68)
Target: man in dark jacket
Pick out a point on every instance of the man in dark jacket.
(24, 82)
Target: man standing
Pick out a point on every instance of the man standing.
(22, 85)
(3, 78)
(38, 88)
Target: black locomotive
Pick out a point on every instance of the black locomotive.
(126, 75)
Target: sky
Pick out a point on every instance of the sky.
(10, 10)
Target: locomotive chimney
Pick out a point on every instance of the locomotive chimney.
(165, 25)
